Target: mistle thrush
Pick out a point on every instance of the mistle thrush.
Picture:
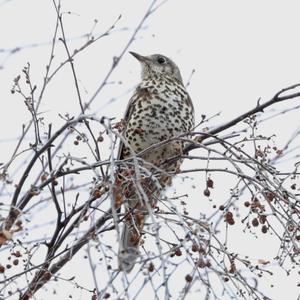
(159, 111)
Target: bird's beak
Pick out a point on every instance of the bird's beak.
(139, 57)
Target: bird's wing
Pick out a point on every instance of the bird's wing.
(141, 93)
(128, 113)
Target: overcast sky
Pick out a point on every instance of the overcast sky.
(240, 50)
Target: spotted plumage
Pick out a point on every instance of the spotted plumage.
(159, 110)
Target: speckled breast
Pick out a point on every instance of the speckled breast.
(161, 109)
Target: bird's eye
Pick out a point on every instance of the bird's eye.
(161, 60)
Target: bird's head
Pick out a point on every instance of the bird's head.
(157, 63)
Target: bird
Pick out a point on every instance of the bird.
(159, 111)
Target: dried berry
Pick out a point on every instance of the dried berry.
(262, 219)
(97, 193)
(15, 262)
(255, 222)
(195, 247)
(178, 252)
(44, 177)
(270, 196)
(151, 267)
(201, 264)
(209, 183)
(16, 254)
(232, 269)
(47, 276)
(206, 192)
(229, 218)
(264, 229)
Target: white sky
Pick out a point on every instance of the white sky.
(241, 50)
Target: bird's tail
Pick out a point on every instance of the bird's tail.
(137, 209)
(130, 241)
